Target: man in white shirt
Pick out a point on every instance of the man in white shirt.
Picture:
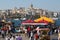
(6, 38)
(11, 38)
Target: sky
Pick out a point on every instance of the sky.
(51, 5)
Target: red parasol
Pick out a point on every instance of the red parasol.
(28, 21)
(31, 22)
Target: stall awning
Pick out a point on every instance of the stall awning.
(34, 23)
(45, 19)
(28, 21)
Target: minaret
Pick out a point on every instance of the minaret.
(14, 10)
(31, 6)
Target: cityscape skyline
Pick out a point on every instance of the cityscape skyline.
(51, 5)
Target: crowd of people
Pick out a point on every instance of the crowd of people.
(15, 37)
(30, 32)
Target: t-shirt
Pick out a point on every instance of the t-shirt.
(2, 32)
(58, 30)
(38, 32)
(19, 38)
(36, 36)
(11, 38)
(28, 29)
(9, 28)
(25, 30)
(16, 36)
(6, 38)
(31, 34)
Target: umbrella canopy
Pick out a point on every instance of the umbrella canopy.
(42, 21)
(16, 22)
(31, 22)
(45, 19)
(28, 21)
(57, 22)
(34, 23)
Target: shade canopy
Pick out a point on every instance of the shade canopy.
(42, 21)
(28, 21)
(57, 22)
(34, 24)
(45, 19)
(16, 22)
(31, 22)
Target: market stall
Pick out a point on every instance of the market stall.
(39, 22)
(44, 33)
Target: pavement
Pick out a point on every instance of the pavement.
(23, 37)
(52, 37)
